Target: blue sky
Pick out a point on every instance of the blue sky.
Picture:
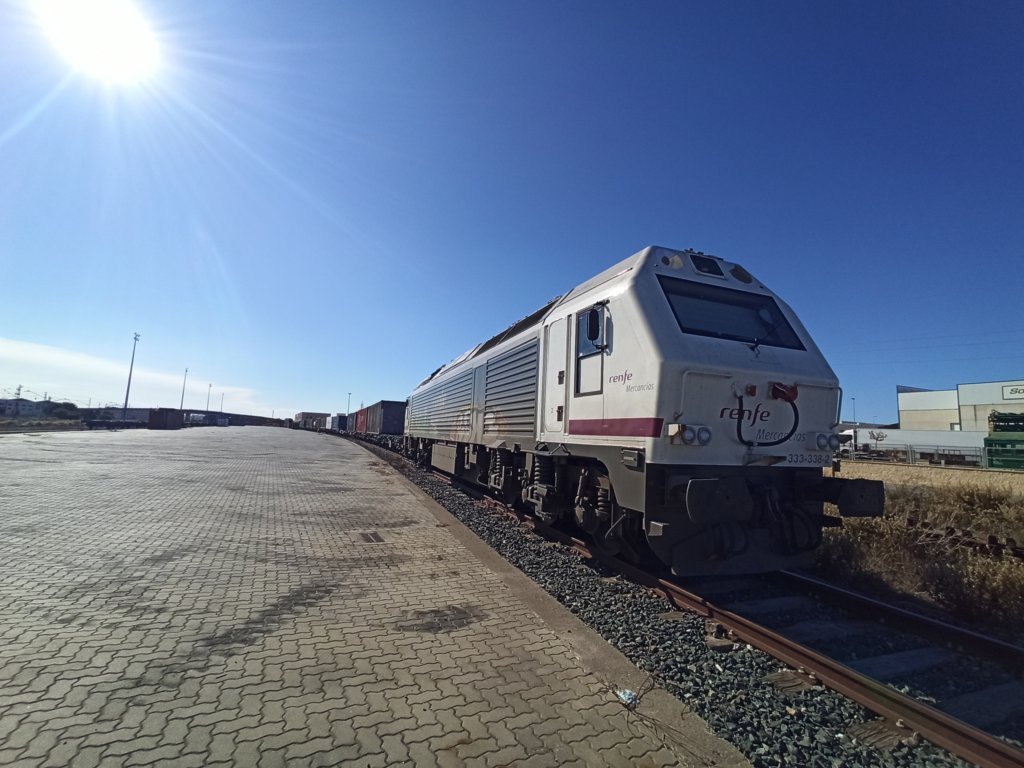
(315, 198)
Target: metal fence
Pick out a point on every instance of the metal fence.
(935, 455)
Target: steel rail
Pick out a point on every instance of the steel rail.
(963, 740)
(1006, 654)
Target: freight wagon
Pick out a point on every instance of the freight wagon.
(384, 418)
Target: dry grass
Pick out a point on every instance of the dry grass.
(984, 502)
(904, 474)
(982, 510)
(885, 555)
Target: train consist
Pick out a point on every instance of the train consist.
(670, 405)
(384, 418)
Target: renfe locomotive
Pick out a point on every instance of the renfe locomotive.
(672, 404)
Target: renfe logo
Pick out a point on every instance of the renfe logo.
(621, 378)
(745, 414)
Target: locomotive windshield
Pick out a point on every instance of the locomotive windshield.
(724, 313)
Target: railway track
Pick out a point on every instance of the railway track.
(867, 679)
(773, 618)
(904, 717)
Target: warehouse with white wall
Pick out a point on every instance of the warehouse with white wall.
(965, 408)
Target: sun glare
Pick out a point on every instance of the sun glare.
(106, 39)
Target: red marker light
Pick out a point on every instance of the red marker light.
(751, 390)
(787, 392)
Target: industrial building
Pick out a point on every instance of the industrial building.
(313, 420)
(971, 425)
(20, 407)
(966, 408)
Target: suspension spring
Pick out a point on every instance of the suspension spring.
(502, 465)
(544, 470)
(604, 504)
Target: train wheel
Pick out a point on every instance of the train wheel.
(608, 543)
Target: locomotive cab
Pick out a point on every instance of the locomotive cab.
(709, 409)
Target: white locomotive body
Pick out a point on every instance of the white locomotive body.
(672, 403)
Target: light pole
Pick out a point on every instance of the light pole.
(853, 453)
(222, 402)
(182, 404)
(208, 388)
(348, 407)
(124, 412)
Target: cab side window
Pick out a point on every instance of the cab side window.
(589, 360)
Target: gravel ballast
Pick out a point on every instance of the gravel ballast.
(727, 690)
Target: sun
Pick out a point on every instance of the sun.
(106, 39)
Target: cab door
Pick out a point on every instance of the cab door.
(556, 355)
(589, 350)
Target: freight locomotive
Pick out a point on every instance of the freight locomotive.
(670, 405)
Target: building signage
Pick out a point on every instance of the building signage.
(1013, 392)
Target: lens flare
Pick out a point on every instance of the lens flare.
(109, 40)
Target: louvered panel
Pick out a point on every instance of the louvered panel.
(505, 381)
(509, 423)
(510, 392)
(444, 407)
(513, 360)
(510, 399)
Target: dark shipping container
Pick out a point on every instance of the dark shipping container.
(166, 418)
(386, 418)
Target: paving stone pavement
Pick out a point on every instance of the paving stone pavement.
(262, 597)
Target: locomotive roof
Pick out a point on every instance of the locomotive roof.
(527, 322)
(530, 320)
(534, 318)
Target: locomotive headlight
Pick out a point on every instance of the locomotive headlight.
(703, 435)
(689, 435)
(822, 441)
(833, 442)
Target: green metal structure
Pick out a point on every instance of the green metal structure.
(1004, 446)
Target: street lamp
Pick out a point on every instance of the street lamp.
(853, 453)
(182, 404)
(124, 413)
(208, 388)
(222, 402)
(348, 407)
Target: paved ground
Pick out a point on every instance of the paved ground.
(251, 596)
